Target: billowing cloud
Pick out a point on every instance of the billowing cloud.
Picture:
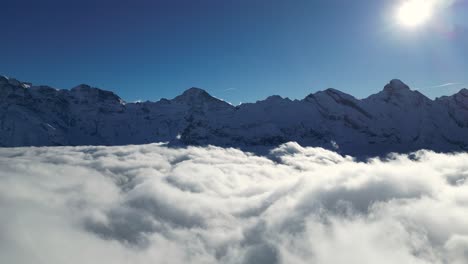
(154, 204)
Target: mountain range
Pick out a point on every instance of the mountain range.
(397, 119)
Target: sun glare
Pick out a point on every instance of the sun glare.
(414, 13)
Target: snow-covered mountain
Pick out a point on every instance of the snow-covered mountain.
(395, 119)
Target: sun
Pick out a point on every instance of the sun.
(414, 13)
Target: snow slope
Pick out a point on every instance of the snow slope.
(396, 119)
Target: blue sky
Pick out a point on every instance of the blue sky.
(241, 51)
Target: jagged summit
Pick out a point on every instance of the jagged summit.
(196, 97)
(86, 93)
(330, 95)
(328, 92)
(13, 82)
(397, 93)
(396, 85)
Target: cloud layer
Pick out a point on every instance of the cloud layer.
(153, 204)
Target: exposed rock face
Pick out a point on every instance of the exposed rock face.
(396, 119)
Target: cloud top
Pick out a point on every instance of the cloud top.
(151, 203)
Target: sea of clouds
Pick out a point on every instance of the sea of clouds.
(154, 204)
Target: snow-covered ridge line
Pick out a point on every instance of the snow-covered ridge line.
(395, 119)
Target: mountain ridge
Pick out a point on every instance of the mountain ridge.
(396, 119)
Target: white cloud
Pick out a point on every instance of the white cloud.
(154, 204)
(446, 84)
(229, 89)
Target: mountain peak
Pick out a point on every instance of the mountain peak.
(199, 97)
(395, 119)
(194, 94)
(274, 98)
(332, 90)
(3, 80)
(81, 87)
(332, 93)
(194, 91)
(463, 92)
(399, 93)
(396, 85)
(13, 82)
